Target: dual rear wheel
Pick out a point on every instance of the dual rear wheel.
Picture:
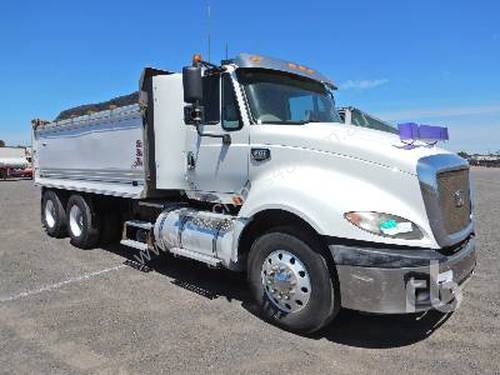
(84, 223)
(87, 223)
(53, 214)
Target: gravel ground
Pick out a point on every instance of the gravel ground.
(65, 310)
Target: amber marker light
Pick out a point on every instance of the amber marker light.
(256, 59)
(238, 201)
(197, 58)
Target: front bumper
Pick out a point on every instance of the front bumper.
(395, 281)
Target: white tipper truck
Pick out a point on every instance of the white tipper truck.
(247, 166)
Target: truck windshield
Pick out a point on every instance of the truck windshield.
(281, 98)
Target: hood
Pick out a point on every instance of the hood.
(369, 145)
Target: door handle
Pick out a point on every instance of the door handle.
(191, 161)
(260, 154)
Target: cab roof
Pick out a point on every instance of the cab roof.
(246, 60)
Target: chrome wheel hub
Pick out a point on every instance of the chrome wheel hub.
(76, 221)
(286, 281)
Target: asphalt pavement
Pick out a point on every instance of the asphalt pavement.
(70, 311)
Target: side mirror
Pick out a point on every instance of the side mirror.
(192, 84)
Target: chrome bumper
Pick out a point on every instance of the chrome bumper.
(395, 281)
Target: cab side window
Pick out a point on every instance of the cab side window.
(231, 119)
(211, 95)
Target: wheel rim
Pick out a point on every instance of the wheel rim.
(50, 209)
(76, 221)
(286, 281)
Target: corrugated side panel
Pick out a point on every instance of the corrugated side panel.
(101, 153)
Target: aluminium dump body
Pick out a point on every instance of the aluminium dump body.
(101, 153)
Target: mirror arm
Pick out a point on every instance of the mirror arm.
(212, 67)
(226, 138)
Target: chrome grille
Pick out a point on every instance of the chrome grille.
(454, 199)
(441, 176)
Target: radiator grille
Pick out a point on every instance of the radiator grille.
(454, 199)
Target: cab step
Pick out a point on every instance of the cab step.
(146, 225)
(137, 234)
(141, 246)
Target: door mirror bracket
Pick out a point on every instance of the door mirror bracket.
(226, 138)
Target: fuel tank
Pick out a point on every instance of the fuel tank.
(201, 232)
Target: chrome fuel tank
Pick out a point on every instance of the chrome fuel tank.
(200, 232)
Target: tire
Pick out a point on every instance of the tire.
(52, 214)
(83, 222)
(314, 300)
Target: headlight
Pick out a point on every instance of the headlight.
(385, 225)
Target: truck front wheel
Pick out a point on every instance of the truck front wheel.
(291, 282)
(84, 223)
(53, 216)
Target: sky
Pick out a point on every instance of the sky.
(426, 61)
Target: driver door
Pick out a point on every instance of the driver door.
(214, 167)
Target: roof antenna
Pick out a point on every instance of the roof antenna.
(227, 51)
(209, 14)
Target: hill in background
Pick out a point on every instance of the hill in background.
(87, 109)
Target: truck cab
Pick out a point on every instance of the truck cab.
(247, 165)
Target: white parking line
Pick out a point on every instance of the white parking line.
(60, 284)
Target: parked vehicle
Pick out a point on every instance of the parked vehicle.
(12, 158)
(247, 166)
(21, 172)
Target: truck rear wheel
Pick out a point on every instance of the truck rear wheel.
(53, 215)
(84, 223)
(291, 282)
